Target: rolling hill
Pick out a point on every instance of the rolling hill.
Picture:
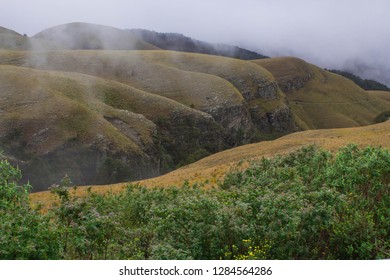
(185, 114)
(321, 99)
(86, 36)
(105, 106)
(385, 95)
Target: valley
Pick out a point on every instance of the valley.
(138, 145)
(103, 106)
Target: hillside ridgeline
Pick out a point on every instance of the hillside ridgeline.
(102, 111)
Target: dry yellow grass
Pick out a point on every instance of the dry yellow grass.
(385, 95)
(213, 168)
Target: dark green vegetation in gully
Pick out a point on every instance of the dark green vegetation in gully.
(310, 204)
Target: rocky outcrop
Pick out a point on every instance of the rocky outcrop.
(279, 120)
(232, 118)
(260, 90)
(288, 85)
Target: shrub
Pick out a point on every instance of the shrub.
(24, 234)
(310, 204)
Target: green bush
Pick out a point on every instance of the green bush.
(313, 205)
(310, 204)
(24, 234)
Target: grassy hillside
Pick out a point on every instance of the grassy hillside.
(321, 99)
(128, 102)
(210, 170)
(385, 95)
(214, 167)
(11, 40)
(168, 108)
(219, 86)
(364, 84)
(54, 124)
(57, 123)
(127, 114)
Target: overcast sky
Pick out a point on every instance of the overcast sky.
(326, 32)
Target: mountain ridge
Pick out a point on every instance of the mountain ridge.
(109, 115)
(179, 42)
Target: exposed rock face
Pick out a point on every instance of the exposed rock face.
(262, 90)
(279, 120)
(291, 74)
(232, 118)
(292, 84)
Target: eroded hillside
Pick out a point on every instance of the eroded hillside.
(131, 114)
(112, 114)
(321, 99)
(210, 170)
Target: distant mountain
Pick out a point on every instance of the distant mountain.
(11, 40)
(363, 67)
(87, 36)
(4, 30)
(179, 42)
(365, 84)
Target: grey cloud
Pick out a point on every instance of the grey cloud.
(331, 33)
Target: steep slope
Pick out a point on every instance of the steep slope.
(240, 95)
(321, 99)
(125, 115)
(86, 36)
(56, 123)
(191, 106)
(211, 169)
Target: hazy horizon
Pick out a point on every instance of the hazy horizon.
(329, 33)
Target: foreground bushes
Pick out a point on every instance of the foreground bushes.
(309, 204)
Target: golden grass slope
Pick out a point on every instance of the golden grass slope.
(214, 167)
(80, 103)
(210, 84)
(321, 99)
(44, 113)
(384, 95)
(211, 169)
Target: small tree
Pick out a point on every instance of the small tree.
(24, 233)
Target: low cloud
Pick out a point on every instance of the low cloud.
(330, 33)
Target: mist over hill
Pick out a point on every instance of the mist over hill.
(85, 36)
(179, 42)
(105, 105)
(378, 71)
